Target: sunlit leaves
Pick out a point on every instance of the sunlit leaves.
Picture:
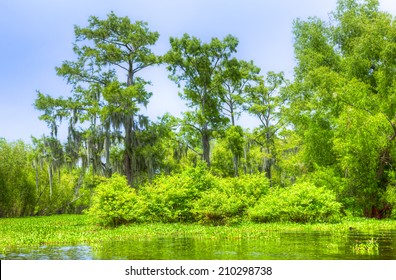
(343, 96)
(194, 65)
(104, 108)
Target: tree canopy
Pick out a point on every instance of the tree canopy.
(342, 100)
(105, 105)
(331, 130)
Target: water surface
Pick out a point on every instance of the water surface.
(316, 245)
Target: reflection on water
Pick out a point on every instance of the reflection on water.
(51, 253)
(274, 246)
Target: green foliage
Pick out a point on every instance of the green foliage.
(114, 202)
(30, 184)
(219, 206)
(189, 196)
(221, 159)
(302, 202)
(342, 100)
(235, 141)
(170, 198)
(194, 66)
(361, 141)
(232, 83)
(289, 165)
(327, 178)
(103, 110)
(264, 100)
(333, 130)
(370, 247)
(67, 230)
(228, 199)
(17, 188)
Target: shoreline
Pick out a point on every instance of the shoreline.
(79, 230)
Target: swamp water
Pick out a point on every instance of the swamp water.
(316, 245)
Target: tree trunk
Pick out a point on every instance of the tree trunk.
(50, 179)
(378, 212)
(236, 165)
(378, 209)
(128, 142)
(128, 154)
(385, 161)
(232, 116)
(267, 165)
(206, 146)
(108, 169)
(246, 149)
(37, 178)
(268, 162)
(128, 168)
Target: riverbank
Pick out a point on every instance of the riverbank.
(77, 230)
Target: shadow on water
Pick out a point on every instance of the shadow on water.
(274, 246)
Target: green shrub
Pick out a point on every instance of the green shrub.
(228, 199)
(114, 202)
(169, 198)
(221, 162)
(302, 202)
(251, 187)
(218, 206)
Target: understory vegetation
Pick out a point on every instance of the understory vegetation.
(197, 196)
(324, 147)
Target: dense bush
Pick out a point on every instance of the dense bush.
(114, 202)
(251, 187)
(169, 198)
(302, 202)
(219, 206)
(190, 196)
(228, 199)
(197, 196)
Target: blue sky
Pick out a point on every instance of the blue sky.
(36, 36)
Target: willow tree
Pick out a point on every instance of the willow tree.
(343, 100)
(194, 65)
(104, 107)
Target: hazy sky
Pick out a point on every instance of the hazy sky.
(36, 36)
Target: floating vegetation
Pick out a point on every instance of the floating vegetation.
(272, 240)
(78, 230)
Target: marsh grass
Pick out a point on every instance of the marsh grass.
(79, 230)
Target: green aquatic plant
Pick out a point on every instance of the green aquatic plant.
(68, 230)
(369, 247)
